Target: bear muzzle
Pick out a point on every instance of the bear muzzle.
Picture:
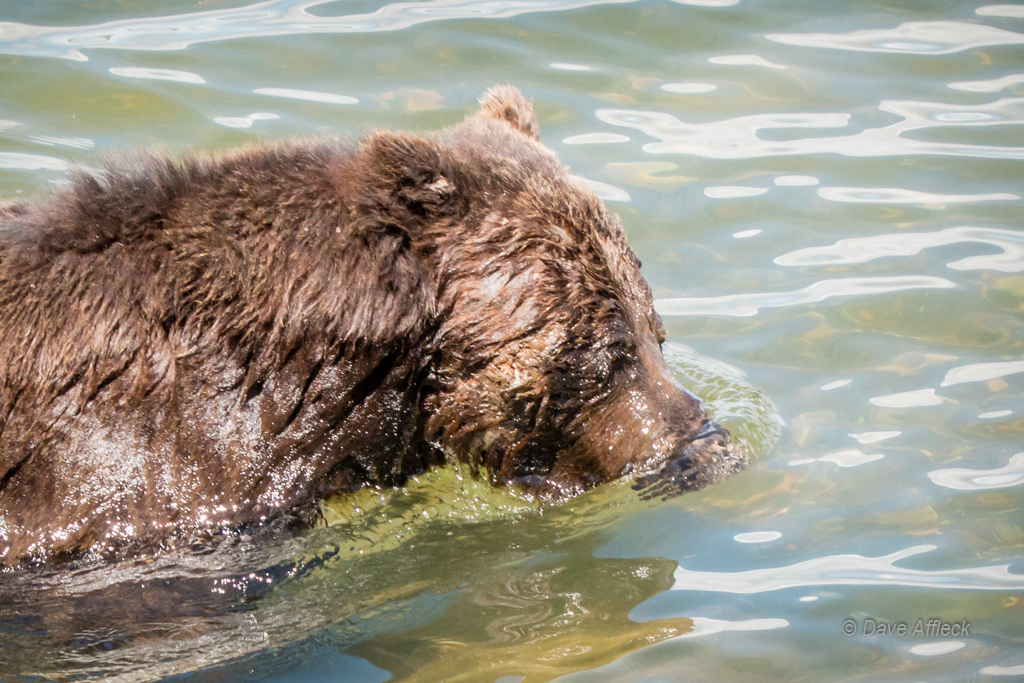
(700, 459)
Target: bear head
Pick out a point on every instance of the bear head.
(547, 368)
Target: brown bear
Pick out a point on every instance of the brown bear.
(218, 342)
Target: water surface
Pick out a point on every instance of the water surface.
(827, 198)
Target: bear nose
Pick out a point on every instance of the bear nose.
(699, 459)
(708, 430)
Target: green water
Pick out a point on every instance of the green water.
(827, 200)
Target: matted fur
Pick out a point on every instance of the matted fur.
(215, 342)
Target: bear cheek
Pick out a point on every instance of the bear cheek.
(638, 429)
(482, 417)
(612, 439)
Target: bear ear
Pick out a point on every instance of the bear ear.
(406, 174)
(505, 103)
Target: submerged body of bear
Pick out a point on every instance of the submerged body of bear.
(214, 343)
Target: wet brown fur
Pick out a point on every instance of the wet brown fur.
(220, 341)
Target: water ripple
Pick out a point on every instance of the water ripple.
(30, 162)
(891, 195)
(994, 85)
(861, 249)
(746, 305)
(1012, 11)
(261, 19)
(851, 457)
(912, 37)
(995, 670)
(850, 570)
(245, 121)
(744, 234)
(565, 66)
(745, 60)
(74, 142)
(982, 372)
(708, 3)
(307, 95)
(688, 88)
(757, 537)
(157, 74)
(595, 139)
(940, 648)
(737, 138)
(702, 626)
(728, 395)
(608, 193)
(982, 480)
(796, 180)
(874, 437)
(733, 191)
(918, 398)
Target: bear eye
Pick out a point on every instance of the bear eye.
(620, 355)
(588, 373)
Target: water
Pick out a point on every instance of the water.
(827, 201)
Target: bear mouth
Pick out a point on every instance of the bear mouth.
(707, 456)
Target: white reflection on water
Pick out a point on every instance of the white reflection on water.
(746, 305)
(737, 138)
(837, 384)
(847, 458)
(796, 180)
(757, 537)
(851, 457)
(744, 234)
(908, 399)
(62, 141)
(982, 480)
(708, 3)
(8, 130)
(913, 37)
(1003, 670)
(595, 139)
(733, 191)
(994, 85)
(245, 121)
(308, 95)
(891, 195)
(1012, 11)
(982, 372)
(745, 60)
(608, 193)
(995, 414)
(941, 648)
(874, 437)
(861, 249)
(688, 88)
(31, 162)
(702, 626)
(270, 18)
(564, 66)
(850, 570)
(157, 74)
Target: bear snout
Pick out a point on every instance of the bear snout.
(698, 460)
